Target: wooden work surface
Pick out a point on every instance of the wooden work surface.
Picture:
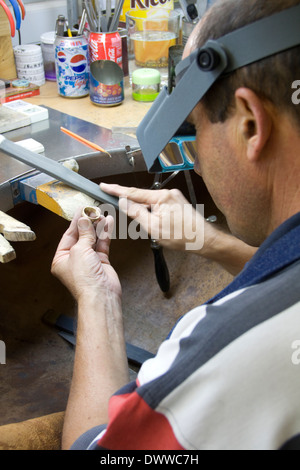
(128, 114)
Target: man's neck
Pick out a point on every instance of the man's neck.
(286, 176)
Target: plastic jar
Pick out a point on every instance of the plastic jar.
(29, 63)
(47, 44)
(145, 84)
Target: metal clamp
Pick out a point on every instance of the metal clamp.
(130, 154)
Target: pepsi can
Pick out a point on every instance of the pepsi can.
(72, 66)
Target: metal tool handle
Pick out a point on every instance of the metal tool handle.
(10, 18)
(17, 13)
(161, 268)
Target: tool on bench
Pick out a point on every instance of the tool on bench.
(19, 14)
(161, 268)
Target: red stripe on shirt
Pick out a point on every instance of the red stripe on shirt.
(133, 425)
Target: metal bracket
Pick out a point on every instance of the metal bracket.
(131, 154)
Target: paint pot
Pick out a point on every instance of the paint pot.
(106, 83)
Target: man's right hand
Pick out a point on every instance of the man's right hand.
(166, 215)
(169, 218)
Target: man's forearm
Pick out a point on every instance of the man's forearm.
(100, 365)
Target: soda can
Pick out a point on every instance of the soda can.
(105, 46)
(106, 83)
(106, 68)
(72, 66)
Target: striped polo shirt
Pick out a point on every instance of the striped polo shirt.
(228, 376)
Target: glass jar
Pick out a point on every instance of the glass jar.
(145, 84)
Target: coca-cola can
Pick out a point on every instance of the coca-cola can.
(105, 46)
(106, 83)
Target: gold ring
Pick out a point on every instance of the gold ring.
(92, 213)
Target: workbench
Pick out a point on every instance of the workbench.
(91, 122)
(20, 182)
(129, 113)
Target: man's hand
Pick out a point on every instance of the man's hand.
(81, 261)
(166, 215)
(100, 366)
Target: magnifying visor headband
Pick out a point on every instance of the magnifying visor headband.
(198, 72)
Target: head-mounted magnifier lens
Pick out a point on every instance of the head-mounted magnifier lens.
(178, 154)
(163, 148)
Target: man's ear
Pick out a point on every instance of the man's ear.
(254, 121)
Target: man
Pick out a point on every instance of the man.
(228, 376)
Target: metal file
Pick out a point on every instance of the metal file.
(57, 171)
